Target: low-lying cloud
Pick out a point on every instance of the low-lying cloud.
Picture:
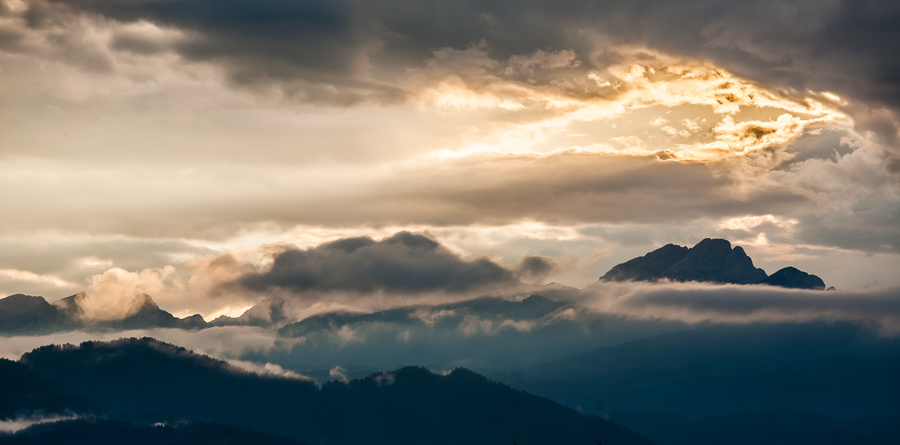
(228, 342)
(20, 423)
(697, 303)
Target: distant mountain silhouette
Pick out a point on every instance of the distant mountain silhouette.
(484, 334)
(792, 277)
(763, 426)
(275, 310)
(838, 369)
(711, 260)
(486, 308)
(141, 378)
(24, 314)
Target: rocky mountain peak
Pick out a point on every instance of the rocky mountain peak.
(711, 260)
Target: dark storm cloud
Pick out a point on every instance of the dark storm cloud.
(849, 47)
(892, 165)
(310, 46)
(404, 262)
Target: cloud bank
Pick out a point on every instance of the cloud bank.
(699, 303)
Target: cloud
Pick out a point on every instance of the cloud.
(315, 51)
(465, 114)
(526, 161)
(572, 186)
(758, 39)
(698, 303)
(31, 277)
(20, 423)
(331, 49)
(404, 263)
(282, 280)
(533, 269)
(267, 369)
(197, 286)
(338, 373)
(116, 293)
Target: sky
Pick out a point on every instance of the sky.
(182, 148)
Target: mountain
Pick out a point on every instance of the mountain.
(766, 426)
(24, 314)
(830, 383)
(29, 315)
(792, 277)
(111, 432)
(496, 310)
(837, 369)
(278, 310)
(711, 260)
(25, 393)
(481, 334)
(143, 378)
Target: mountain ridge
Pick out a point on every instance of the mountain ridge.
(32, 315)
(135, 378)
(710, 260)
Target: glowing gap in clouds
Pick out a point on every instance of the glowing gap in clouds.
(748, 117)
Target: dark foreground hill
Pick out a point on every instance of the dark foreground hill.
(26, 393)
(112, 432)
(140, 379)
(711, 260)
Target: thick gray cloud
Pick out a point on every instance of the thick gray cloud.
(535, 268)
(849, 47)
(404, 262)
(310, 46)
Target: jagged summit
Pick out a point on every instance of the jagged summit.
(711, 260)
(792, 277)
(24, 314)
(648, 267)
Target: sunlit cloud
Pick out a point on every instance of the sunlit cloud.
(20, 423)
(157, 139)
(31, 277)
(753, 221)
